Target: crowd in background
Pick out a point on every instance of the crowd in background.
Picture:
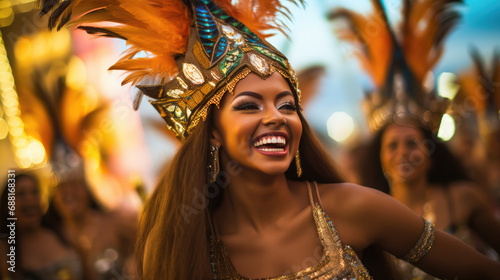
(455, 185)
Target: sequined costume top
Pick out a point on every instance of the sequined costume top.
(339, 261)
(67, 268)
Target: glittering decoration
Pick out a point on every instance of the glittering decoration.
(228, 31)
(337, 262)
(297, 164)
(424, 244)
(237, 78)
(175, 93)
(207, 29)
(175, 111)
(232, 35)
(200, 55)
(212, 66)
(182, 83)
(193, 74)
(230, 61)
(270, 54)
(215, 76)
(259, 63)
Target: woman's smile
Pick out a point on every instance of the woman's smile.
(272, 144)
(258, 125)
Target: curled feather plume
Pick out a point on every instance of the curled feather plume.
(157, 28)
(480, 85)
(420, 36)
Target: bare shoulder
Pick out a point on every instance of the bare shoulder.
(350, 198)
(364, 216)
(468, 193)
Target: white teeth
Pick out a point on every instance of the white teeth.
(270, 140)
(272, 149)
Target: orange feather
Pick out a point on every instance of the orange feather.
(159, 28)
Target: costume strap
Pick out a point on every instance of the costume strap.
(424, 244)
(213, 229)
(317, 194)
(311, 199)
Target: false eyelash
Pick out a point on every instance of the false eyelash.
(245, 105)
(290, 106)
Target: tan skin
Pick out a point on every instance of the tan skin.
(261, 205)
(40, 246)
(91, 231)
(405, 160)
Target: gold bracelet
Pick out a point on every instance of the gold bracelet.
(424, 244)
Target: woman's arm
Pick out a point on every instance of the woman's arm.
(450, 258)
(375, 218)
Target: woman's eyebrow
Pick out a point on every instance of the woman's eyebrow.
(283, 94)
(249, 93)
(258, 96)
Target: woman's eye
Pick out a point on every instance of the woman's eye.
(411, 144)
(246, 106)
(392, 146)
(287, 106)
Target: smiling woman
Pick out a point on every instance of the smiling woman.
(258, 125)
(250, 194)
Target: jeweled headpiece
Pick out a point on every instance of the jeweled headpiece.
(399, 62)
(200, 44)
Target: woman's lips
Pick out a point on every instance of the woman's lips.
(268, 151)
(272, 144)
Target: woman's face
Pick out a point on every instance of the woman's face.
(28, 203)
(403, 154)
(258, 125)
(71, 198)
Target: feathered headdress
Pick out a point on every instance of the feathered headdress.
(195, 50)
(63, 110)
(480, 91)
(399, 61)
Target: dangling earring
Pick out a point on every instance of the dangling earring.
(297, 163)
(213, 167)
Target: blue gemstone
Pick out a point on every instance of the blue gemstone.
(208, 35)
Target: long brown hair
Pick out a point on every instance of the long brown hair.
(174, 229)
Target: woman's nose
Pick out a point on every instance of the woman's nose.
(273, 117)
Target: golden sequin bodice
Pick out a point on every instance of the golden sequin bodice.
(338, 262)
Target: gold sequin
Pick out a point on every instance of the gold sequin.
(338, 261)
(424, 244)
(232, 83)
(200, 55)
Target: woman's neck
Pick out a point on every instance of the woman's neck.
(411, 193)
(79, 221)
(31, 230)
(254, 201)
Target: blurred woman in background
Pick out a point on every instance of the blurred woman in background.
(42, 251)
(106, 238)
(411, 164)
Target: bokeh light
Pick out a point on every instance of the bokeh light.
(4, 129)
(340, 126)
(6, 13)
(447, 86)
(447, 128)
